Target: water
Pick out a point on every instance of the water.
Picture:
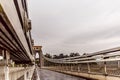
(50, 75)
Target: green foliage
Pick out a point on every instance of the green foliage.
(61, 55)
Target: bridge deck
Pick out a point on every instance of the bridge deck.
(51, 75)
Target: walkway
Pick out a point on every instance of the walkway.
(51, 75)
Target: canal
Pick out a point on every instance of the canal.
(51, 75)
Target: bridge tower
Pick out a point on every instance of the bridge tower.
(38, 49)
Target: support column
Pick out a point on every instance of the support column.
(6, 67)
(41, 60)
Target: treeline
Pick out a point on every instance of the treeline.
(61, 55)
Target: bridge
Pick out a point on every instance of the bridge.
(17, 51)
(16, 45)
(101, 65)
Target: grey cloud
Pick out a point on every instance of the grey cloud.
(63, 26)
(93, 36)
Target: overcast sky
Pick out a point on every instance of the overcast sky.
(84, 26)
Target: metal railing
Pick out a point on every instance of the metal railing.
(105, 62)
(17, 72)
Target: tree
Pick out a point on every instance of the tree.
(55, 56)
(65, 56)
(85, 54)
(74, 54)
(61, 55)
(71, 54)
(48, 55)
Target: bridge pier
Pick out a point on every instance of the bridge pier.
(38, 49)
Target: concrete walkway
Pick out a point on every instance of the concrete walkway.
(51, 75)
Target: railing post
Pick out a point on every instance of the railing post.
(6, 71)
(58, 66)
(65, 67)
(61, 67)
(88, 67)
(71, 68)
(26, 75)
(55, 67)
(6, 67)
(78, 68)
(105, 68)
(118, 64)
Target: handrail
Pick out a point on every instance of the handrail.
(100, 56)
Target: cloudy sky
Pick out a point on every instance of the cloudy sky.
(64, 26)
